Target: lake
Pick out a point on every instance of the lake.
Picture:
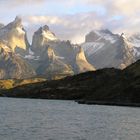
(29, 119)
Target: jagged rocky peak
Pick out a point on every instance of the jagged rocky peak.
(12, 65)
(41, 29)
(15, 36)
(100, 35)
(42, 37)
(46, 33)
(45, 27)
(92, 36)
(16, 23)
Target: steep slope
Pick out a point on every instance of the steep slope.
(12, 65)
(15, 36)
(105, 49)
(134, 69)
(53, 68)
(82, 65)
(127, 52)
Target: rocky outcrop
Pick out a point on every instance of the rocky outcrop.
(42, 37)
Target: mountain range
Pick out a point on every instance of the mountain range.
(48, 56)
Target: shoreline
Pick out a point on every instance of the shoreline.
(87, 102)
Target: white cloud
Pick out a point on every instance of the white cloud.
(22, 2)
(118, 15)
(69, 26)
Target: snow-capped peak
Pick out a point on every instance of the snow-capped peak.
(98, 35)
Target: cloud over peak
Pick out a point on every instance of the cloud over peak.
(74, 18)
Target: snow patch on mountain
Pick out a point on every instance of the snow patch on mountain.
(92, 47)
(106, 34)
(31, 56)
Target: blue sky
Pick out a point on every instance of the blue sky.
(74, 18)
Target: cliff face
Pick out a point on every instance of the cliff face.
(81, 62)
(12, 65)
(14, 36)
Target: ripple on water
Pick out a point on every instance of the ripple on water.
(66, 120)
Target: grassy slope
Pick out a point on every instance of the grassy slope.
(11, 83)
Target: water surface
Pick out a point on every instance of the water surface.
(29, 119)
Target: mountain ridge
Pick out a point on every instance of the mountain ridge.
(101, 49)
(36, 56)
